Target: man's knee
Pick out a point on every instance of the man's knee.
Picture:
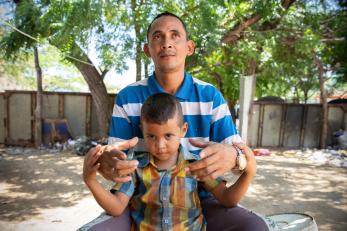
(228, 219)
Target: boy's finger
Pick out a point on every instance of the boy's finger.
(96, 167)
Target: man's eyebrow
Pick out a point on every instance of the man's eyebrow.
(159, 32)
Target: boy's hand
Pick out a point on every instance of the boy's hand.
(114, 165)
(90, 165)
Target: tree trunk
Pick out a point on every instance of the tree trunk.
(99, 94)
(38, 109)
(323, 101)
(137, 28)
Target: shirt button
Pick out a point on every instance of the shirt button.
(164, 198)
(166, 221)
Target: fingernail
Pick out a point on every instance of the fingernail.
(202, 155)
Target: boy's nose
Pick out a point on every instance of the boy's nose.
(161, 144)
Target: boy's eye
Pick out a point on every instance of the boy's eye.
(151, 137)
(168, 136)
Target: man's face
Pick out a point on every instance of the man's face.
(163, 140)
(168, 45)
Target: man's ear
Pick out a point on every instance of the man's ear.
(191, 47)
(146, 50)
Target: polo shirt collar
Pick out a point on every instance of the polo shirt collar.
(183, 92)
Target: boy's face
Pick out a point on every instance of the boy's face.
(163, 140)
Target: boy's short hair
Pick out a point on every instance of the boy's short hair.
(161, 107)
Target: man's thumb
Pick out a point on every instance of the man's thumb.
(133, 141)
(198, 143)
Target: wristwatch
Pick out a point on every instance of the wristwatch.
(241, 161)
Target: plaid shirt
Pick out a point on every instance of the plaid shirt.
(165, 199)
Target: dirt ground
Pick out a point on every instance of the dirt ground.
(45, 191)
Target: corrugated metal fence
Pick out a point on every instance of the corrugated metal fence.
(293, 125)
(271, 124)
(18, 107)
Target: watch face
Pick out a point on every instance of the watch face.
(242, 162)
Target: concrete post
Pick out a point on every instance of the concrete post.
(247, 86)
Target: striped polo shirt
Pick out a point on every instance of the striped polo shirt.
(204, 109)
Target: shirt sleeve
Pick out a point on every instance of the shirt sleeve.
(128, 188)
(214, 183)
(223, 129)
(120, 125)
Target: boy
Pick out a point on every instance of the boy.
(162, 194)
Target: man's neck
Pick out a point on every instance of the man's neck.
(170, 82)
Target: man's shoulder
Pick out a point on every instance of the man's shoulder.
(131, 87)
(206, 90)
(133, 93)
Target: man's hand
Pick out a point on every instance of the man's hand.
(216, 159)
(113, 163)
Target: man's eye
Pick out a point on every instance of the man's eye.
(168, 136)
(175, 35)
(156, 37)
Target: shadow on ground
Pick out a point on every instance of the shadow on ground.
(30, 183)
(283, 186)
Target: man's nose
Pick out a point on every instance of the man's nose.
(166, 43)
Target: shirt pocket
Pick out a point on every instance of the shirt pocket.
(184, 192)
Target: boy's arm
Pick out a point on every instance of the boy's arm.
(230, 196)
(113, 204)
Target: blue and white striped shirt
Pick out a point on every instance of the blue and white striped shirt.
(204, 109)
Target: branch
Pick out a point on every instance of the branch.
(103, 73)
(237, 31)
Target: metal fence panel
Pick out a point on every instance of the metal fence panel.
(20, 117)
(271, 125)
(313, 126)
(50, 106)
(293, 125)
(75, 113)
(254, 126)
(2, 118)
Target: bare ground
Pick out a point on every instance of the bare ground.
(46, 192)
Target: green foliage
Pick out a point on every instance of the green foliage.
(281, 43)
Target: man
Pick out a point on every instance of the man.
(210, 134)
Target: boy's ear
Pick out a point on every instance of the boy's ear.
(184, 129)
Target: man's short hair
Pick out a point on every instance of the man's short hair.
(161, 107)
(166, 13)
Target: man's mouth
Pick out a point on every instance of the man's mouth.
(166, 55)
